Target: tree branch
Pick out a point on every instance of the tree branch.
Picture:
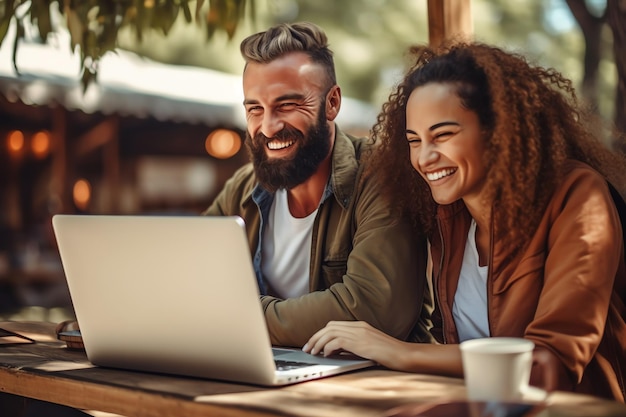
(94, 24)
(591, 27)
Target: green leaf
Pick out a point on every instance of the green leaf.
(43, 18)
(8, 8)
(4, 27)
(75, 27)
(87, 78)
(5, 22)
(224, 15)
(18, 35)
(186, 11)
(94, 25)
(164, 17)
(199, 4)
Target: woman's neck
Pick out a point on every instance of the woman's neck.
(481, 213)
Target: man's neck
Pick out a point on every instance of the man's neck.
(305, 198)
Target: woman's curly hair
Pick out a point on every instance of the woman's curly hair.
(532, 122)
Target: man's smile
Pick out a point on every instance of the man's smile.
(279, 144)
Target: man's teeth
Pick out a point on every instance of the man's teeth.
(279, 145)
(433, 176)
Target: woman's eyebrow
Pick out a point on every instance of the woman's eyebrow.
(433, 127)
(437, 125)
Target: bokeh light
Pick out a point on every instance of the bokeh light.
(40, 144)
(15, 141)
(82, 194)
(222, 143)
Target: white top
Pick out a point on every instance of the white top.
(287, 249)
(470, 300)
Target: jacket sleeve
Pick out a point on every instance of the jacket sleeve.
(384, 282)
(230, 199)
(584, 245)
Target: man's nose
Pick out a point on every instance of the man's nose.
(271, 124)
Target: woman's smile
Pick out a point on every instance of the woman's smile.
(437, 175)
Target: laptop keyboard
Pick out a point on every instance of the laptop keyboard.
(283, 365)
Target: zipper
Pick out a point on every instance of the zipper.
(443, 322)
(490, 273)
(614, 349)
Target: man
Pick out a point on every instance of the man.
(324, 245)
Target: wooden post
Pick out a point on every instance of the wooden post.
(449, 19)
(104, 138)
(111, 159)
(61, 163)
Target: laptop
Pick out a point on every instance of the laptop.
(176, 295)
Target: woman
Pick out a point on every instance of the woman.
(512, 188)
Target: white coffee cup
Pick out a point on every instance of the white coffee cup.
(497, 368)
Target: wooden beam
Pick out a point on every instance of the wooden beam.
(103, 138)
(96, 137)
(449, 19)
(111, 162)
(61, 163)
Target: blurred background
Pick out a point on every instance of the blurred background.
(132, 107)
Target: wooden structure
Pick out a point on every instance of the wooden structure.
(446, 19)
(48, 371)
(449, 19)
(100, 135)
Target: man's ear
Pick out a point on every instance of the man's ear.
(333, 103)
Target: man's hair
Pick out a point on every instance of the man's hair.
(285, 38)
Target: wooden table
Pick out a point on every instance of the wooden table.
(48, 371)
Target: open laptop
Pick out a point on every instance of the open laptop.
(176, 295)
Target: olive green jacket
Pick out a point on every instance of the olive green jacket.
(365, 263)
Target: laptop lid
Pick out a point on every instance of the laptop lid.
(173, 294)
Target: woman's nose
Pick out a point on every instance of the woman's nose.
(428, 154)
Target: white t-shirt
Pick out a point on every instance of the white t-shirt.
(470, 300)
(287, 249)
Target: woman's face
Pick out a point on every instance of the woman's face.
(446, 143)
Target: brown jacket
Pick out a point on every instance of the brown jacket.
(564, 291)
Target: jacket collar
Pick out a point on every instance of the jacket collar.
(454, 224)
(344, 169)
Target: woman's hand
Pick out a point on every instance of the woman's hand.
(360, 339)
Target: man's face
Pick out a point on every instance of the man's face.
(288, 133)
(312, 148)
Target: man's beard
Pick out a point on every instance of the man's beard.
(311, 149)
